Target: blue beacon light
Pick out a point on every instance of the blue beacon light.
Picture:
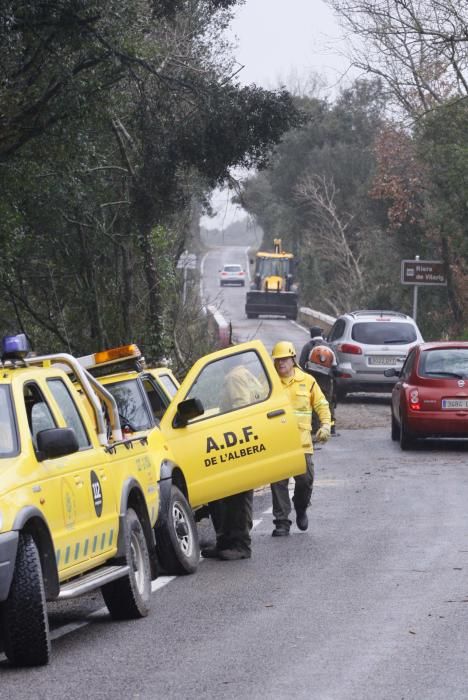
(15, 346)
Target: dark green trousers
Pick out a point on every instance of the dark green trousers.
(303, 487)
(232, 521)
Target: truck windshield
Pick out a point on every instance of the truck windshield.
(132, 405)
(266, 267)
(8, 438)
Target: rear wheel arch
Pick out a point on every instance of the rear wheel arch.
(178, 480)
(171, 474)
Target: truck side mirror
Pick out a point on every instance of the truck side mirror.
(187, 410)
(56, 442)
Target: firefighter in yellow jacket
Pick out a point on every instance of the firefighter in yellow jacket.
(306, 396)
(232, 516)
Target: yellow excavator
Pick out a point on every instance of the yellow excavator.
(273, 291)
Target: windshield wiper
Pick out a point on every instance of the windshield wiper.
(397, 341)
(446, 374)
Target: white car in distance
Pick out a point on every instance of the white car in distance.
(232, 274)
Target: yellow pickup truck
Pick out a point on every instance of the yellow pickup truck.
(102, 464)
(211, 449)
(78, 500)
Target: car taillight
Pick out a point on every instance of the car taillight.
(414, 402)
(224, 273)
(241, 273)
(350, 349)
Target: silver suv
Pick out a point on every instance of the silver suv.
(366, 343)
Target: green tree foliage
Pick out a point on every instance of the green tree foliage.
(418, 48)
(116, 119)
(316, 197)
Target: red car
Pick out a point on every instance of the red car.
(430, 398)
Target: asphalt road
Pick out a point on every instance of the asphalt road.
(230, 300)
(370, 603)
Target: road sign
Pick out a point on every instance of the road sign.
(423, 272)
(187, 261)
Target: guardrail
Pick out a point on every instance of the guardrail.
(222, 329)
(311, 317)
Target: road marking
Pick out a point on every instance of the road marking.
(303, 328)
(156, 585)
(160, 582)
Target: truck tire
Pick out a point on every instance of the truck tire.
(128, 597)
(177, 537)
(24, 614)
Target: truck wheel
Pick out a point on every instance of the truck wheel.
(129, 597)
(177, 537)
(24, 614)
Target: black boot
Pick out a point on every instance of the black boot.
(281, 528)
(302, 521)
(234, 554)
(211, 552)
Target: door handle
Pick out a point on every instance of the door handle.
(278, 412)
(79, 481)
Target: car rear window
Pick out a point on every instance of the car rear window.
(444, 362)
(383, 332)
(232, 268)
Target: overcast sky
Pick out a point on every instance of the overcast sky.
(276, 37)
(275, 40)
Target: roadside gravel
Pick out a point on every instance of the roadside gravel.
(360, 411)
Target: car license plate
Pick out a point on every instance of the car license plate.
(453, 404)
(383, 360)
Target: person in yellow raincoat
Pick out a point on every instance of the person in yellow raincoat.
(232, 516)
(306, 396)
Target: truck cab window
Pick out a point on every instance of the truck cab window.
(39, 414)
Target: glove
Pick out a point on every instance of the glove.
(323, 433)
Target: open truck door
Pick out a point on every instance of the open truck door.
(231, 425)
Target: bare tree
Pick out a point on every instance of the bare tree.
(328, 238)
(418, 47)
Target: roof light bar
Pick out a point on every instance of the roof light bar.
(123, 352)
